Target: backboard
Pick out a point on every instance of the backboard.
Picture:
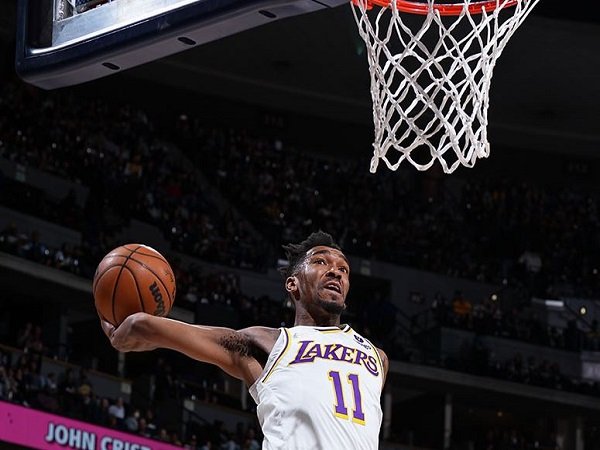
(66, 42)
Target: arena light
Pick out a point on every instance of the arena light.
(549, 304)
(583, 310)
(555, 304)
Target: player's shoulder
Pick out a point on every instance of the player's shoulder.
(385, 362)
(383, 356)
(258, 331)
(262, 337)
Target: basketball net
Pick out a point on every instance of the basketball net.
(430, 77)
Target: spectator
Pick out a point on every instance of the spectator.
(163, 435)
(461, 307)
(101, 415)
(151, 426)
(174, 439)
(25, 335)
(192, 444)
(84, 388)
(51, 384)
(532, 266)
(250, 442)
(593, 337)
(4, 383)
(117, 410)
(131, 421)
(439, 308)
(143, 428)
(230, 443)
(207, 445)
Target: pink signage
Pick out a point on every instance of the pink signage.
(40, 430)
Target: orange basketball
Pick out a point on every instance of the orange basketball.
(130, 279)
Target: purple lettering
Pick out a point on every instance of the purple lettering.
(314, 352)
(300, 356)
(358, 415)
(330, 352)
(360, 356)
(340, 407)
(347, 354)
(308, 351)
(371, 365)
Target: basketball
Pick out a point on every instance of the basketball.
(133, 278)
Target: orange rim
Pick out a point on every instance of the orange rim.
(444, 10)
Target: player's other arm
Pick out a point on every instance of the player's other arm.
(235, 352)
(386, 363)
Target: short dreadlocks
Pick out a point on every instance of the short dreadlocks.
(296, 252)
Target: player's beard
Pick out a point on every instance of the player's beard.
(331, 306)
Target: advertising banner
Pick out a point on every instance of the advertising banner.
(41, 430)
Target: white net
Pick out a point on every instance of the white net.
(430, 80)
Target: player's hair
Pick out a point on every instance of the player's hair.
(297, 252)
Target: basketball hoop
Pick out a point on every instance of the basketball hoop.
(431, 67)
(452, 9)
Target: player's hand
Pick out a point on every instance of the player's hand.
(131, 335)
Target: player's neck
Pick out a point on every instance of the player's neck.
(304, 318)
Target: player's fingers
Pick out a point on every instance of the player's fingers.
(107, 327)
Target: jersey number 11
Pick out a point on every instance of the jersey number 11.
(340, 409)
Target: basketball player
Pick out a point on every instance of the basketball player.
(317, 385)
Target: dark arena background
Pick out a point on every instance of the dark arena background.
(483, 286)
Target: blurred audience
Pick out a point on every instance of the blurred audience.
(504, 231)
(22, 382)
(232, 196)
(520, 322)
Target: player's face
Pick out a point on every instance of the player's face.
(324, 279)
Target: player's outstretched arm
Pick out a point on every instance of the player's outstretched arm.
(233, 351)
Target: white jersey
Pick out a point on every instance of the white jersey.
(320, 390)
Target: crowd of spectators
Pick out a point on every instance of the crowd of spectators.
(505, 231)
(477, 359)
(70, 392)
(29, 246)
(520, 322)
(516, 323)
(500, 231)
(376, 319)
(514, 439)
(194, 285)
(34, 201)
(130, 174)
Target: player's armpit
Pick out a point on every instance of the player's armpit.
(262, 340)
(228, 349)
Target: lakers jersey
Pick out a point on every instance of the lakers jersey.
(320, 390)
